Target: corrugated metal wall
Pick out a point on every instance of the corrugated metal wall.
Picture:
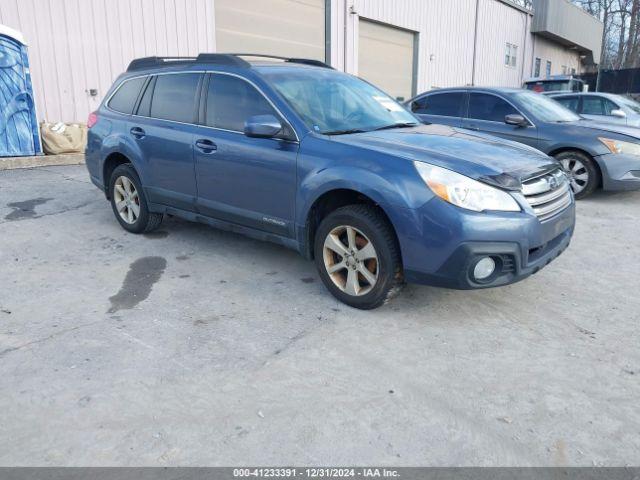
(446, 37)
(498, 25)
(558, 55)
(78, 45)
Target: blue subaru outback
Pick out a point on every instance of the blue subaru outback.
(320, 161)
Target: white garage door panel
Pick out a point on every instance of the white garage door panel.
(385, 58)
(292, 28)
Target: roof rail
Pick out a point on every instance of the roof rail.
(228, 59)
(217, 58)
(306, 61)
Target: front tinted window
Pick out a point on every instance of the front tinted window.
(174, 97)
(231, 101)
(125, 97)
(570, 102)
(441, 104)
(543, 108)
(333, 102)
(597, 106)
(483, 106)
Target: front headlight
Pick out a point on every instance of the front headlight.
(464, 191)
(618, 146)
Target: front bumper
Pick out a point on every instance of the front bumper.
(448, 241)
(619, 171)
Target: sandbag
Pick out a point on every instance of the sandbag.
(60, 138)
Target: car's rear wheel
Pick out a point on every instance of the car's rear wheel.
(129, 202)
(584, 175)
(357, 256)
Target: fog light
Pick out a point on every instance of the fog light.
(484, 268)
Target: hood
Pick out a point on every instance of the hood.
(633, 132)
(482, 157)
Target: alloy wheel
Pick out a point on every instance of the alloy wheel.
(578, 173)
(351, 260)
(126, 199)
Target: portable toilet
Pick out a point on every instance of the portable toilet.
(19, 134)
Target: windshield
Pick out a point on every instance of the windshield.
(330, 102)
(544, 108)
(627, 102)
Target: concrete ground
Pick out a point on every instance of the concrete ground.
(192, 346)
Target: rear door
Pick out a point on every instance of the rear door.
(444, 108)
(487, 112)
(163, 129)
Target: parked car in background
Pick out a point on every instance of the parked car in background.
(593, 154)
(555, 83)
(324, 163)
(605, 107)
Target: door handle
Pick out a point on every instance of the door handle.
(207, 146)
(472, 127)
(137, 132)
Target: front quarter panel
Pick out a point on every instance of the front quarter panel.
(324, 165)
(554, 137)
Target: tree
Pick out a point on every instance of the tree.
(621, 39)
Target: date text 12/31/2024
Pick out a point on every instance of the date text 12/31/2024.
(328, 472)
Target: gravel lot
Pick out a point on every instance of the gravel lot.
(192, 346)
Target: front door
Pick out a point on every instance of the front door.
(243, 180)
(487, 112)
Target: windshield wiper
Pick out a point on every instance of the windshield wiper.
(346, 131)
(397, 125)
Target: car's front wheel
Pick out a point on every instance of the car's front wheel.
(129, 202)
(582, 171)
(357, 256)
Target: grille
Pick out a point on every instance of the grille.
(548, 194)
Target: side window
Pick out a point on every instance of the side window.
(569, 102)
(483, 106)
(597, 106)
(441, 104)
(231, 101)
(126, 95)
(174, 97)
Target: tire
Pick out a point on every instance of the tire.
(129, 202)
(584, 174)
(359, 280)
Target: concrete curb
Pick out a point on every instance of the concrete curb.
(11, 163)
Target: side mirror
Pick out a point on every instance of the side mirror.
(618, 113)
(515, 119)
(262, 126)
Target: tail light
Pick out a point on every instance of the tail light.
(92, 120)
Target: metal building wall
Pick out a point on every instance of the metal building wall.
(499, 24)
(79, 45)
(446, 34)
(559, 55)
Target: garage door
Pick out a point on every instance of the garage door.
(291, 28)
(385, 58)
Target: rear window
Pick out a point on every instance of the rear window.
(442, 104)
(174, 97)
(126, 95)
